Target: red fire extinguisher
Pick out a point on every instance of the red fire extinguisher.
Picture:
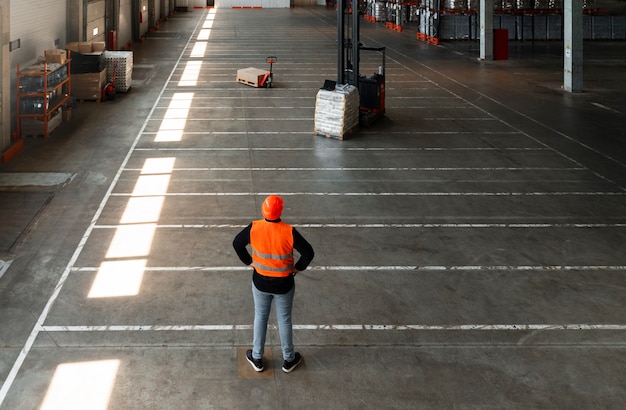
(112, 40)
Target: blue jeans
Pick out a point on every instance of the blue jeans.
(262, 306)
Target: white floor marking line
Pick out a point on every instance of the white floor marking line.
(453, 268)
(424, 107)
(388, 268)
(227, 81)
(399, 133)
(347, 169)
(229, 133)
(459, 119)
(4, 266)
(604, 107)
(235, 119)
(405, 134)
(8, 382)
(334, 149)
(455, 81)
(388, 194)
(398, 226)
(238, 98)
(230, 107)
(465, 225)
(311, 107)
(374, 327)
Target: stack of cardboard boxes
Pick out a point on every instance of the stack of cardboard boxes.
(88, 69)
(55, 56)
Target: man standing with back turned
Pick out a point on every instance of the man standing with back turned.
(272, 242)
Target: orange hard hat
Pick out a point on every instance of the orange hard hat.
(272, 207)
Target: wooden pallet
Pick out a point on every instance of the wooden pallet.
(98, 100)
(341, 137)
(247, 82)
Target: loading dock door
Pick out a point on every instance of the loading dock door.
(95, 23)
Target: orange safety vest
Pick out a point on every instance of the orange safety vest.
(272, 248)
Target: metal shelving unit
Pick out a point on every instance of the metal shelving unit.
(42, 91)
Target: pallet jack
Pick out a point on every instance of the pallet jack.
(371, 89)
(255, 77)
(108, 91)
(269, 77)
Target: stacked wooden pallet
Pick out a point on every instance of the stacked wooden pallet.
(119, 65)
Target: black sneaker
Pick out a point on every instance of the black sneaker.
(257, 364)
(289, 366)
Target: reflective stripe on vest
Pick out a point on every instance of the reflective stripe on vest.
(272, 248)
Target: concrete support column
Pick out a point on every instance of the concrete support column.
(5, 75)
(486, 29)
(573, 45)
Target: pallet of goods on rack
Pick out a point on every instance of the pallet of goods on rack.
(88, 70)
(337, 112)
(43, 92)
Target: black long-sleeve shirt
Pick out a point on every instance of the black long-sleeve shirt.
(273, 284)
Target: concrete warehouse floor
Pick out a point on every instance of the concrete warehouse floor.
(469, 246)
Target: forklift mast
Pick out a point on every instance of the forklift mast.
(347, 43)
(371, 89)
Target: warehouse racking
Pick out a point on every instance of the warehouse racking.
(42, 91)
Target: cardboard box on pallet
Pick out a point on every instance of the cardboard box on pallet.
(55, 56)
(98, 46)
(251, 76)
(86, 57)
(85, 47)
(88, 86)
